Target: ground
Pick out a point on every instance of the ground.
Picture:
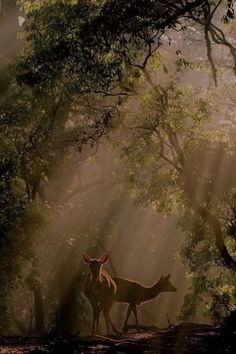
(184, 338)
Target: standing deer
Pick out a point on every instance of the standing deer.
(100, 290)
(135, 293)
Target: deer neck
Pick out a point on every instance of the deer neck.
(97, 278)
(153, 291)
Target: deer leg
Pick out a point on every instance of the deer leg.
(134, 309)
(126, 319)
(94, 318)
(112, 326)
(106, 316)
(96, 312)
(98, 316)
(109, 319)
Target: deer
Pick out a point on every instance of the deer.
(135, 294)
(100, 290)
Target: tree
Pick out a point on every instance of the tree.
(167, 142)
(90, 53)
(29, 150)
(33, 135)
(91, 45)
(181, 162)
(211, 289)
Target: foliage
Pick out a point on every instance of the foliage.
(90, 45)
(164, 143)
(29, 150)
(161, 114)
(212, 287)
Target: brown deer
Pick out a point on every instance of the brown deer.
(100, 290)
(135, 293)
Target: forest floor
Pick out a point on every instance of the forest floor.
(184, 338)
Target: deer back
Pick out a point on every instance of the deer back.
(129, 291)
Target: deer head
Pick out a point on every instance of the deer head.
(166, 284)
(95, 264)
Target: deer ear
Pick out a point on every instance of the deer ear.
(167, 277)
(86, 258)
(103, 259)
(161, 277)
